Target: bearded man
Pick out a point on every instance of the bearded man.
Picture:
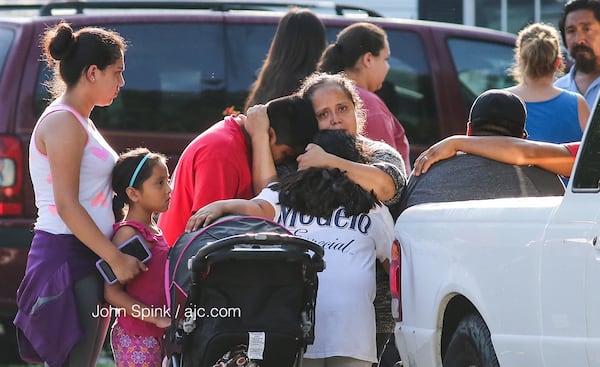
(579, 26)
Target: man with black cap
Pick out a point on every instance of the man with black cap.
(469, 177)
(216, 164)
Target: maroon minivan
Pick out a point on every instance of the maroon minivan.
(186, 66)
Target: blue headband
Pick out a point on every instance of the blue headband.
(138, 168)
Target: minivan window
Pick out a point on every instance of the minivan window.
(247, 48)
(6, 39)
(480, 66)
(167, 87)
(408, 88)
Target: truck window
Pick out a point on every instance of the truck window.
(175, 79)
(480, 66)
(587, 173)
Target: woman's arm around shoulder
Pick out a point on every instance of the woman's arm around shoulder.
(371, 177)
(209, 213)
(390, 161)
(549, 156)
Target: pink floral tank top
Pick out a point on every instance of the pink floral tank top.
(95, 191)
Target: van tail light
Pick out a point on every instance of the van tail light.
(395, 285)
(11, 176)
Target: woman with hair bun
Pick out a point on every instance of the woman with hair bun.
(554, 115)
(361, 51)
(70, 165)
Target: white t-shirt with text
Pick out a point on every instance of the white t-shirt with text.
(345, 317)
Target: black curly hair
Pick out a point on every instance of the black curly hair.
(320, 191)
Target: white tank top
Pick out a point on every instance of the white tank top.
(95, 191)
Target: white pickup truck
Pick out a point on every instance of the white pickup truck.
(504, 282)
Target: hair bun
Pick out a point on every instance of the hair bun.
(62, 43)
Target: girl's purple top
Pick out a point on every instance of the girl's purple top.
(47, 320)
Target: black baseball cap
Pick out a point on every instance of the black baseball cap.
(498, 112)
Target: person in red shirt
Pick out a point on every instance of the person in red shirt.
(216, 165)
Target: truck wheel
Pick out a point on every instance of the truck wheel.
(471, 345)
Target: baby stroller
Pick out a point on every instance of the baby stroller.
(242, 285)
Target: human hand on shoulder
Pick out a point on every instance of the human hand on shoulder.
(441, 150)
(241, 119)
(257, 122)
(315, 156)
(204, 216)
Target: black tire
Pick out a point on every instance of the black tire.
(471, 345)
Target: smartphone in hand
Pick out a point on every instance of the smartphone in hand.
(134, 246)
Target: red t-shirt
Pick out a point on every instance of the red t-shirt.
(214, 166)
(382, 125)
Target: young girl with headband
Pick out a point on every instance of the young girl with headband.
(141, 184)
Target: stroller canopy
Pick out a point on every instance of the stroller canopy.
(178, 280)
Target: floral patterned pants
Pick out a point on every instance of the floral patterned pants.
(135, 350)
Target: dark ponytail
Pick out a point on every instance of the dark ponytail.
(351, 44)
(332, 61)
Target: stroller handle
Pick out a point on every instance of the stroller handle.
(260, 239)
